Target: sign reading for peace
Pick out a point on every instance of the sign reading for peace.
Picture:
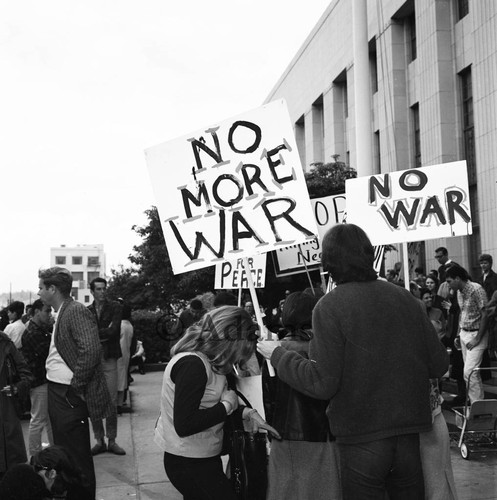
(411, 205)
(232, 190)
(234, 275)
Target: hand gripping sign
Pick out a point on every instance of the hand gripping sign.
(411, 205)
(232, 190)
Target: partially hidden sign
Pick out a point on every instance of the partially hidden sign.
(233, 275)
(411, 205)
(327, 211)
(231, 190)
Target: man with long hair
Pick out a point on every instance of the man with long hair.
(373, 352)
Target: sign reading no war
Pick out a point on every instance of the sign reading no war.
(233, 275)
(411, 205)
(232, 190)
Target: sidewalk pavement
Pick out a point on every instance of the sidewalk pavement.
(139, 475)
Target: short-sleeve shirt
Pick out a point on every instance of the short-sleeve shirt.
(472, 299)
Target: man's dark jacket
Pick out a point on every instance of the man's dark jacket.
(109, 327)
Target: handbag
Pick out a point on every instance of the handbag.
(248, 460)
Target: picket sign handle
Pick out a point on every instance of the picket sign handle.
(257, 309)
(405, 265)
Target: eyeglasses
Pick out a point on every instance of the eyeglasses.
(438, 256)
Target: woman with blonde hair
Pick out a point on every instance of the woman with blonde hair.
(195, 402)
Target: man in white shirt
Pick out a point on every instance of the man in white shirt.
(16, 328)
(76, 385)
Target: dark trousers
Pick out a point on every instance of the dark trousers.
(198, 478)
(69, 418)
(392, 465)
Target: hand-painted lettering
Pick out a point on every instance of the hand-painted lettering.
(413, 180)
(199, 144)
(376, 185)
(257, 136)
(283, 215)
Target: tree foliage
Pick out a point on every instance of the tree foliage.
(325, 179)
(149, 283)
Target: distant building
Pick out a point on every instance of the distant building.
(432, 95)
(85, 262)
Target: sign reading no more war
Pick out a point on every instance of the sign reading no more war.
(233, 275)
(232, 190)
(411, 205)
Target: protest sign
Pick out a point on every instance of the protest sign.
(297, 259)
(294, 259)
(233, 275)
(232, 190)
(411, 205)
(328, 211)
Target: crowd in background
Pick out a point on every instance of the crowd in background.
(336, 392)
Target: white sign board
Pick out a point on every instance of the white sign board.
(411, 205)
(232, 190)
(328, 211)
(233, 275)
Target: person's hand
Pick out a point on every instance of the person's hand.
(7, 390)
(473, 343)
(253, 423)
(457, 343)
(446, 304)
(230, 397)
(266, 347)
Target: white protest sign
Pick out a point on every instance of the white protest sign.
(296, 258)
(328, 211)
(411, 205)
(233, 274)
(232, 190)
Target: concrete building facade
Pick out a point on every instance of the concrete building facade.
(85, 262)
(433, 98)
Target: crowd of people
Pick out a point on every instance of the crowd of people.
(68, 370)
(354, 411)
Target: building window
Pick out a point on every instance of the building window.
(77, 276)
(300, 140)
(377, 154)
(416, 136)
(92, 275)
(87, 299)
(93, 261)
(345, 100)
(411, 29)
(373, 66)
(462, 9)
(468, 126)
(74, 293)
(77, 261)
(318, 130)
(60, 261)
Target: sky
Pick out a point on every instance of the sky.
(86, 87)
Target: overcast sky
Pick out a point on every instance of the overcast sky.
(86, 87)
